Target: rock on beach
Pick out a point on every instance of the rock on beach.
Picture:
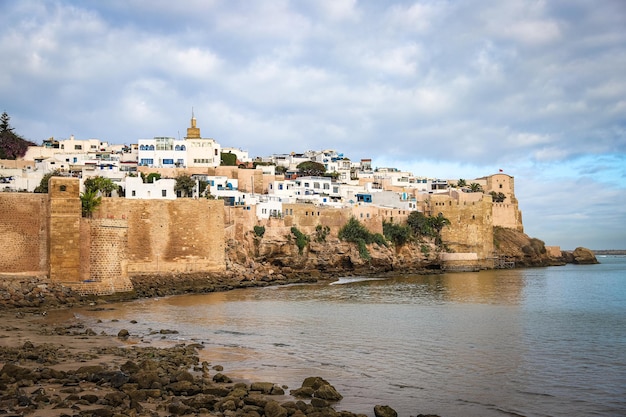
(67, 370)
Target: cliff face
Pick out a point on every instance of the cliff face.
(262, 256)
(516, 246)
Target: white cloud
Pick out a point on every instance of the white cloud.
(440, 86)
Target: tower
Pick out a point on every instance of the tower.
(193, 132)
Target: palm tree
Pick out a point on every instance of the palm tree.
(437, 224)
(461, 183)
(89, 200)
(475, 187)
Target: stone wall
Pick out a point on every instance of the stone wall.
(471, 226)
(183, 235)
(64, 231)
(23, 233)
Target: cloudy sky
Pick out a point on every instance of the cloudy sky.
(446, 89)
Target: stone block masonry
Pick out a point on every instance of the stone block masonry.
(24, 233)
(45, 234)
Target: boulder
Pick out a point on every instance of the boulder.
(317, 387)
(384, 411)
(273, 409)
(584, 256)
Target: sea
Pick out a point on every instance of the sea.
(514, 342)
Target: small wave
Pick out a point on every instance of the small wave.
(401, 386)
(232, 332)
(350, 280)
(540, 394)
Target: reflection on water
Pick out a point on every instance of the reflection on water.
(521, 342)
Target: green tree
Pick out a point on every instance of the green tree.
(100, 184)
(461, 183)
(12, 146)
(355, 232)
(89, 200)
(437, 224)
(419, 224)
(475, 187)
(497, 197)
(310, 168)
(43, 184)
(396, 233)
(228, 159)
(151, 177)
(301, 239)
(185, 185)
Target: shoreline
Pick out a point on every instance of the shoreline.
(52, 364)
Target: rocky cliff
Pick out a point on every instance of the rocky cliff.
(258, 257)
(526, 251)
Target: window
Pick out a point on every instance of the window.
(168, 162)
(500, 185)
(146, 161)
(163, 193)
(63, 188)
(316, 185)
(133, 193)
(78, 147)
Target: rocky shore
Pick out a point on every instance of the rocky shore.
(66, 369)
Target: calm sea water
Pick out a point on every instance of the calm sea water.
(528, 342)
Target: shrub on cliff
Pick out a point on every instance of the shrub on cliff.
(301, 239)
(259, 231)
(355, 232)
(396, 233)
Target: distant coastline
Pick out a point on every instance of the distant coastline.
(610, 252)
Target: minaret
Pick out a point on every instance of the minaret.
(193, 132)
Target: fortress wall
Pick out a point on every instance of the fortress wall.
(24, 233)
(64, 235)
(471, 228)
(507, 215)
(183, 235)
(107, 255)
(306, 217)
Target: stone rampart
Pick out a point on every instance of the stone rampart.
(23, 233)
(183, 235)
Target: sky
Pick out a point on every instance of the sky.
(443, 89)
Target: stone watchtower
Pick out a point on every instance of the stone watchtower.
(64, 233)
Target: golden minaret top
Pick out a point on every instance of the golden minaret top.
(193, 132)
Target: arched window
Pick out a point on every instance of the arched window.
(142, 148)
(151, 148)
(177, 148)
(182, 147)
